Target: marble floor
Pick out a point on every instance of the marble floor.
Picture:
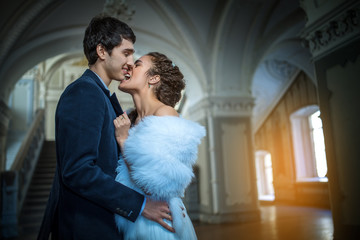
(277, 223)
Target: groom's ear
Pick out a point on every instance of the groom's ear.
(101, 51)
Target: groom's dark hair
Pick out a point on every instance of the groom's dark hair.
(107, 31)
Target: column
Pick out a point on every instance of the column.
(333, 36)
(226, 177)
(8, 181)
(5, 115)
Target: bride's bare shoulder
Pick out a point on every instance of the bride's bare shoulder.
(166, 110)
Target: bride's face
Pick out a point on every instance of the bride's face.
(139, 78)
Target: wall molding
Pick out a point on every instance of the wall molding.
(119, 9)
(280, 70)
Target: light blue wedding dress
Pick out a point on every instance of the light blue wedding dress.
(160, 153)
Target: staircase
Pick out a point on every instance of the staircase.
(38, 193)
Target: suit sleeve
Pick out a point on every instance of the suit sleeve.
(80, 119)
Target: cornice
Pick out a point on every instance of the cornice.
(324, 38)
(223, 106)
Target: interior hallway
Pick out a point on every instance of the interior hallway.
(279, 222)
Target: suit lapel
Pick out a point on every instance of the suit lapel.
(116, 105)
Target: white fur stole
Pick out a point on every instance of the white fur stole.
(161, 151)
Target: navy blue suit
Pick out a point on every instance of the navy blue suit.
(85, 195)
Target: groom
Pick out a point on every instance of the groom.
(85, 195)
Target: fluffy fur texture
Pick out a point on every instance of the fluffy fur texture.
(160, 153)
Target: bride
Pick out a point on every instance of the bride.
(158, 147)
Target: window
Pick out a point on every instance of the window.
(317, 137)
(309, 147)
(264, 174)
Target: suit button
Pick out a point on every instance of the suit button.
(118, 211)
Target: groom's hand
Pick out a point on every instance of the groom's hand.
(157, 212)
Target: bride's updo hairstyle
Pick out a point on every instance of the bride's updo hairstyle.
(168, 89)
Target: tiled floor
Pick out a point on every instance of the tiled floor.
(277, 223)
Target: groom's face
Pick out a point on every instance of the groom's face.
(120, 61)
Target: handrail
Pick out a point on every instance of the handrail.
(28, 155)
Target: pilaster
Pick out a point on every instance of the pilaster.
(227, 180)
(334, 41)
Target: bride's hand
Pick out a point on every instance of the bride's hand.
(122, 125)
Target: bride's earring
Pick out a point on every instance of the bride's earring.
(149, 85)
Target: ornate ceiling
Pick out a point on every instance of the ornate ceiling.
(234, 48)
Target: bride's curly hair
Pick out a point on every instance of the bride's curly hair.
(168, 89)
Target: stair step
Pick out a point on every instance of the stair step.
(49, 168)
(40, 187)
(48, 157)
(31, 218)
(51, 157)
(30, 228)
(45, 170)
(27, 209)
(42, 169)
(32, 204)
(37, 196)
(49, 152)
(32, 197)
(42, 181)
(47, 161)
(30, 211)
(43, 175)
(46, 165)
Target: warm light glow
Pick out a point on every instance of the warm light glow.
(318, 143)
(269, 175)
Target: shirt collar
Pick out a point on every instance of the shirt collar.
(106, 87)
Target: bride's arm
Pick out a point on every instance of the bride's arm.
(122, 125)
